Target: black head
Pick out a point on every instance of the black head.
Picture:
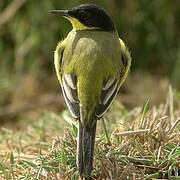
(90, 15)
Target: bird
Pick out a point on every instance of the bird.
(91, 64)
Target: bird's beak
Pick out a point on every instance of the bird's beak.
(60, 12)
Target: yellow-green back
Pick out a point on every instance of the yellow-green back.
(92, 56)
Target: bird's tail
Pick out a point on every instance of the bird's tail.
(85, 149)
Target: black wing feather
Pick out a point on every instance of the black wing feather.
(72, 106)
(106, 98)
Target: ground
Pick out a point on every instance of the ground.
(143, 143)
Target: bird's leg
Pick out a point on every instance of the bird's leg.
(106, 133)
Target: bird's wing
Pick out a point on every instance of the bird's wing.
(69, 90)
(67, 82)
(126, 61)
(108, 93)
(112, 84)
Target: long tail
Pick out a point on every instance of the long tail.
(85, 149)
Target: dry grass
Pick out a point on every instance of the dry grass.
(144, 143)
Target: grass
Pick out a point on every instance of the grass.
(144, 143)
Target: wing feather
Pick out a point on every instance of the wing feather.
(67, 81)
(108, 83)
(107, 98)
(71, 80)
(107, 93)
(71, 98)
(70, 93)
(73, 107)
(112, 85)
